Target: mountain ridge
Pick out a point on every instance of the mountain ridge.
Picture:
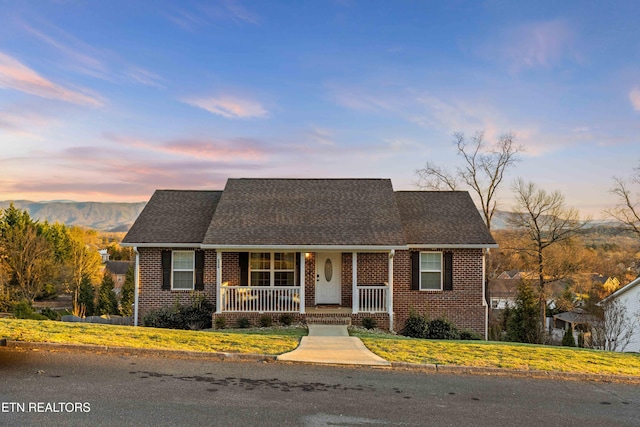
(104, 216)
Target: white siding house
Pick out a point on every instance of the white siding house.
(629, 297)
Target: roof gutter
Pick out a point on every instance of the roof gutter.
(453, 246)
(371, 248)
(161, 245)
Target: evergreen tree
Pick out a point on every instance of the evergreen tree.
(87, 296)
(107, 301)
(522, 324)
(128, 293)
(567, 338)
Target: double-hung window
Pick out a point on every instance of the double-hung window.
(431, 271)
(183, 270)
(272, 269)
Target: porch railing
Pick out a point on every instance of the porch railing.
(260, 299)
(372, 299)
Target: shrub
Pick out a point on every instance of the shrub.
(243, 323)
(165, 317)
(50, 314)
(194, 316)
(466, 334)
(581, 339)
(567, 338)
(197, 315)
(369, 323)
(416, 326)
(265, 321)
(286, 319)
(36, 316)
(22, 309)
(442, 329)
(220, 322)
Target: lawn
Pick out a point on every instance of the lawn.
(275, 341)
(246, 341)
(501, 355)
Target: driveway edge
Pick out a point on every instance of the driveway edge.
(248, 357)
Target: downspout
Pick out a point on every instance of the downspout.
(136, 281)
(392, 254)
(484, 294)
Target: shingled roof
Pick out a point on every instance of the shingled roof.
(174, 216)
(309, 212)
(306, 212)
(441, 218)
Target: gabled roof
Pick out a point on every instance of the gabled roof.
(255, 212)
(118, 267)
(174, 216)
(441, 218)
(358, 213)
(622, 290)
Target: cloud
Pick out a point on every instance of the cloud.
(86, 59)
(230, 107)
(17, 76)
(209, 13)
(234, 149)
(144, 77)
(359, 99)
(634, 97)
(536, 44)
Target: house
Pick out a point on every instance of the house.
(315, 248)
(502, 292)
(118, 271)
(628, 298)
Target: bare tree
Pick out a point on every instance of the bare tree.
(627, 210)
(614, 330)
(483, 169)
(548, 224)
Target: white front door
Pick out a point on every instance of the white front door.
(328, 277)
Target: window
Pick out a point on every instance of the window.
(272, 268)
(183, 268)
(431, 271)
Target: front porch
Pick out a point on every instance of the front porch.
(322, 285)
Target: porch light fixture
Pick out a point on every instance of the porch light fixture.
(307, 255)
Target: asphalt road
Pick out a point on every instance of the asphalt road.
(52, 388)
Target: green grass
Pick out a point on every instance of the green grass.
(281, 340)
(501, 355)
(152, 338)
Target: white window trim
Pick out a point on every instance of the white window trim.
(441, 271)
(272, 270)
(192, 270)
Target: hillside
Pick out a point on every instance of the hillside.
(96, 215)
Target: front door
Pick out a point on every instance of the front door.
(328, 277)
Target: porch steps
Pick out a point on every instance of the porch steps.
(327, 320)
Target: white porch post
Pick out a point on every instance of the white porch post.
(355, 298)
(303, 260)
(392, 253)
(218, 281)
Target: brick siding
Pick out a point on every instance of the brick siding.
(462, 305)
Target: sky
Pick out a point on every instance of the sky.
(110, 100)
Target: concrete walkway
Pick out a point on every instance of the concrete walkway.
(331, 344)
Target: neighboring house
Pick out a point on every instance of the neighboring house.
(578, 320)
(628, 297)
(118, 272)
(510, 274)
(314, 248)
(502, 292)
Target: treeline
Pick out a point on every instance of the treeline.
(39, 260)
